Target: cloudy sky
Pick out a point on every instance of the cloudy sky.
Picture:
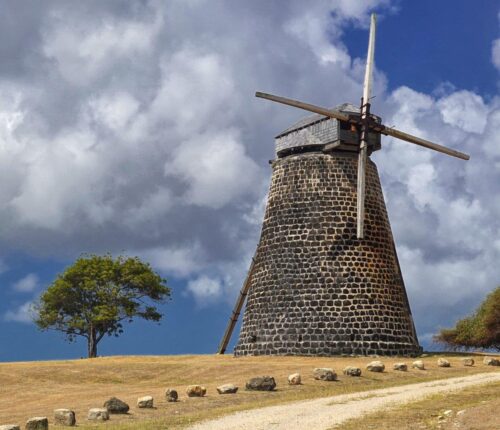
(131, 127)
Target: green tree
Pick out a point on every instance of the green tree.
(480, 330)
(94, 296)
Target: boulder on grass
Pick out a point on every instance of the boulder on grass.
(352, 371)
(261, 383)
(98, 414)
(10, 427)
(324, 374)
(294, 379)
(443, 362)
(402, 367)
(37, 423)
(145, 402)
(468, 361)
(196, 391)
(171, 395)
(116, 406)
(418, 364)
(489, 361)
(375, 366)
(227, 389)
(64, 417)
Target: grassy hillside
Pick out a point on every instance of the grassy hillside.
(37, 388)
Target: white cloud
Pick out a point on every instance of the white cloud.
(23, 314)
(27, 284)
(495, 54)
(205, 290)
(465, 110)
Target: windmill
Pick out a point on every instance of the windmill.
(322, 282)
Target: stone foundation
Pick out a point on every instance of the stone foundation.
(316, 289)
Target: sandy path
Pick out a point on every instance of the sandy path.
(322, 414)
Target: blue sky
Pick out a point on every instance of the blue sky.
(133, 129)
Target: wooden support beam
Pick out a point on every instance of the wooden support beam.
(237, 309)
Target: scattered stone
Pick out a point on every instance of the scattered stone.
(352, 371)
(10, 427)
(98, 414)
(375, 366)
(171, 395)
(294, 379)
(443, 362)
(116, 406)
(37, 423)
(145, 402)
(261, 383)
(441, 418)
(227, 389)
(460, 412)
(448, 413)
(402, 367)
(419, 364)
(324, 374)
(64, 417)
(489, 361)
(196, 391)
(468, 361)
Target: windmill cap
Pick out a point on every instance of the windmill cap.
(307, 121)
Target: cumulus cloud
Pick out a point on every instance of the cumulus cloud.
(27, 284)
(22, 314)
(495, 54)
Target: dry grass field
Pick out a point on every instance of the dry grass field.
(31, 389)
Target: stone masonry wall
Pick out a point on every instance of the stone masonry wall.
(316, 289)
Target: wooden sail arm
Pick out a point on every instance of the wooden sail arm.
(237, 309)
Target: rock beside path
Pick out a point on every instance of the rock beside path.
(324, 374)
(171, 395)
(489, 361)
(402, 367)
(116, 406)
(375, 366)
(352, 371)
(37, 423)
(294, 379)
(10, 427)
(98, 414)
(196, 391)
(145, 402)
(443, 362)
(227, 389)
(468, 361)
(64, 417)
(419, 364)
(261, 383)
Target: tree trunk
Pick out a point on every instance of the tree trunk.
(92, 343)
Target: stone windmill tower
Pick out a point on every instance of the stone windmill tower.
(325, 278)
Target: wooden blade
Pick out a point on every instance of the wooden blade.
(309, 107)
(367, 86)
(422, 142)
(361, 181)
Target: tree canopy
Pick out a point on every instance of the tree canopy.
(480, 330)
(93, 297)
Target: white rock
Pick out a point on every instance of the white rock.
(442, 362)
(10, 427)
(65, 417)
(145, 402)
(98, 414)
(37, 423)
(448, 413)
(419, 364)
(294, 379)
(375, 366)
(324, 374)
(402, 367)
(468, 361)
(227, 389)
(352, 371)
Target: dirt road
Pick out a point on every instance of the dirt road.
(324, 413)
